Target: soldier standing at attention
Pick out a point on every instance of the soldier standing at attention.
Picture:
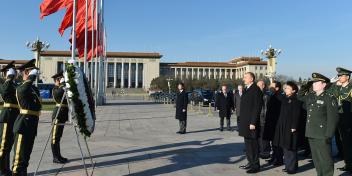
(59, 118)
(322, 119)
(7, 117)
(343, 92)
(26, 124)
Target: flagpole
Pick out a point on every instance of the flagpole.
(86, 41)
(96, 59)
(92, 59)
(73, 52)
(100, 79)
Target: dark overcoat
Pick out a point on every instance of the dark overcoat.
(181, 103)
(224, 104)
(272, 115)
(251, 104)
(289, 119)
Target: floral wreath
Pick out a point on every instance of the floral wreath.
(81, 102)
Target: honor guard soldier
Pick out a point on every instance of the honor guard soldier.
(343, 92)
(7, 117)
(26, 124)
(322, 119)
(60, 116)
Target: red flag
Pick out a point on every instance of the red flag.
(80, 28)
(67, 20)
(48, 7)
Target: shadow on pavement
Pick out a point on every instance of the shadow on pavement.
(205, 154)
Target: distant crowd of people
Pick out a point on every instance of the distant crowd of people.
(277, 121)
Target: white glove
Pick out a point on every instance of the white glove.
(11, 71)
(34, 72)
(62, 80)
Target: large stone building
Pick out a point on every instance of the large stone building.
(137, 70)
(124, 69)
(234, 69)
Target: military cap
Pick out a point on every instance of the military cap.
(342, 71)
(319, 77)
(8, 66)
(58, 75)
(28, 65)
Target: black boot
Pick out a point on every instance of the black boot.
(62, 159)
(56, 156)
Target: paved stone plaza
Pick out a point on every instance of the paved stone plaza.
(137, 137)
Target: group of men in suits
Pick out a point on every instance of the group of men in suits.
(326, 111)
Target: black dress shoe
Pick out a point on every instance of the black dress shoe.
(62, 159)
(221, 129)
(253, 171)
(183, 132)
(58, 161)
(291, 172)
(247, 166)
(178, 132)
(284, 170)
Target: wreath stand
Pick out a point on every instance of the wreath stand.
(70, 122)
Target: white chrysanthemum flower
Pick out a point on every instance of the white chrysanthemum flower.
(69, 94)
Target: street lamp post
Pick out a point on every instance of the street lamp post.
(37, 47)
(271, 54)
(169, 84)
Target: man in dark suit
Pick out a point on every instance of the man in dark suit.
(224, 103)
(251, 104)
(264, 144)
(181, 108)
(237, 103)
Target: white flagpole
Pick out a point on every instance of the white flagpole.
(86, 40)
(96, 58)
(92, 59)
(73, 52)
(103, 60)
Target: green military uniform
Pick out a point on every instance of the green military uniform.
(7, 118)
(59, 118)
(322, 119)
(26, 124)
(344, 97)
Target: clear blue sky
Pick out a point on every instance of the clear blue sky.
(315, 35)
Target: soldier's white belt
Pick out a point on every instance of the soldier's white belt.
(29, 112)
(61, 105)
(9, 105)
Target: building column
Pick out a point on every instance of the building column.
(143, 76)
(106, 73)
(198, 73)
(209, 73)
(115, 75)
(192, 73)
(122, 75)
(175, 73)
(129, 74)
(181, 73)
(231, 73)
(136, 81)
(215, 73)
